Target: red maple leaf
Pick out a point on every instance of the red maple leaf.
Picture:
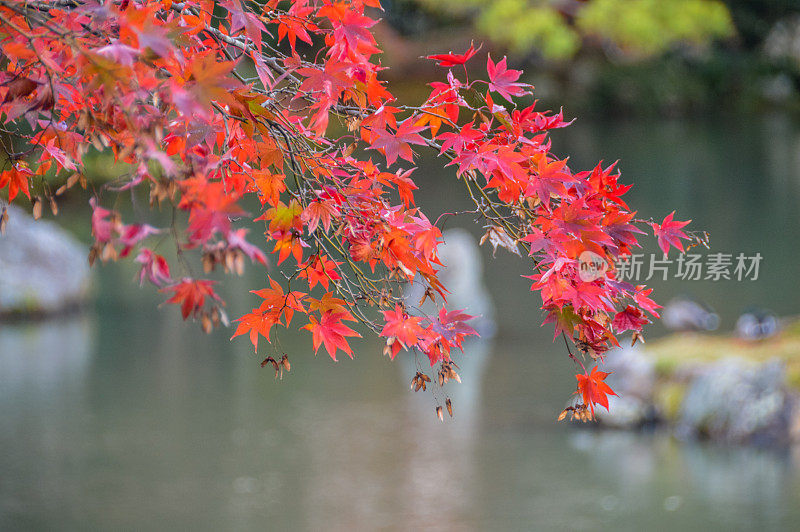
(550, 178)
(350, 28)
(643, 300)
(451, 59)
(332, 332)
(669, 233)
(396, 144)
(502, 80)
(154, 267)
(295, 24)
(405, 185)
(593, 389)
(630, 319)
(452, 326)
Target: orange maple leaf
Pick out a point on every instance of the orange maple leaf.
(16, 180)
(255, 323)
(320, 269)
(401, 326)
(319, 211)
(593, 389)
(332, 332)
(277, 302)
(268, 185)
(191, 295)
(327, 303)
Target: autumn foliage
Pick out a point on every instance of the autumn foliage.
(210, 103)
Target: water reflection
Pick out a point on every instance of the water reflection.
(441, 484)
(745, 486)
(43, 372)
(128, 419)
(51, 357)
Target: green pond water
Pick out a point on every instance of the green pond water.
(126, 419)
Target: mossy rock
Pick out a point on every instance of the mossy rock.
(668, 398)
(679, 352)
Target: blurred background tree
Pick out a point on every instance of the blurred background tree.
(556, 28)
(662, 57)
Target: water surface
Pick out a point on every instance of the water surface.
(125, 418)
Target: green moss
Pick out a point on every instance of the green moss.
(688, 349)
(668, 399)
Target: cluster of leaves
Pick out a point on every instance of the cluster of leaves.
(556, 29)
(210, 103)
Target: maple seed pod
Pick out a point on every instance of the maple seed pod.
(563, 415)
(449, 406)
(419, 382)
(228, 260)
(239, 264)
(3, 222)
(637, 336)
(439, 413)
(429, 294)
(206, 325)
(71, 180)
(109, 253)
(37, 208)
(353, 123)
(208, 263)
(285, 362)
(96, 142)
(53, 206)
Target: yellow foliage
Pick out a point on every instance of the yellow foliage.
(638, 27)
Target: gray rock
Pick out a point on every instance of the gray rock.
(738, 401)
(43, 269)
(783, 40)
(624, 412)
(632, 378)
(632, 372)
